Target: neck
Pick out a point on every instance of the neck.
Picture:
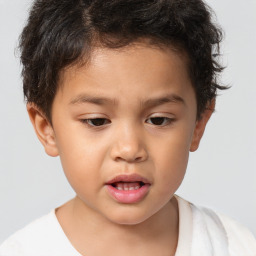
(83, 226)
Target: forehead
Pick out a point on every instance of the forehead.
(131, 71)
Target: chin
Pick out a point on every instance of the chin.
(128, 217)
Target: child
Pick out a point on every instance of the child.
(122, 91)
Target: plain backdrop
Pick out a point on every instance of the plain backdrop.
(221, 174)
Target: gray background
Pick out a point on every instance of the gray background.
(221, 174)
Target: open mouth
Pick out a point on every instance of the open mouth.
(128, 182)
(128, 189)
(128, 185)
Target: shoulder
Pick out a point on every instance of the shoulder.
(223, 230)
(238, 236)
(42, 237)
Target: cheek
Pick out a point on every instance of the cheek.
(171, 162)
(81, 161)
(172, 172)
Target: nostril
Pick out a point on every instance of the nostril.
(142, 156)
(129, 159)
(137, 159)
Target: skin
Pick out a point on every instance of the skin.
(129, 140)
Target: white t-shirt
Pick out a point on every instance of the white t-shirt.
(201, 232)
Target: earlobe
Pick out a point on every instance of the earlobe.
(200, 126)
(43, 129)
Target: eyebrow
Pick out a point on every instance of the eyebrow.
(84, 98)
(169, 98)
(148, 103)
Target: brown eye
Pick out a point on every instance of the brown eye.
(159, 121)
(96, 121)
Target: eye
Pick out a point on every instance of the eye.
(160, 121)
(95, 122)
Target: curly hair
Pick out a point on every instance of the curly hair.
(62, 33)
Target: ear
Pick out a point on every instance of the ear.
(200, 126)
(43, 129)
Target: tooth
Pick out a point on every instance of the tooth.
(126, 186)
(120, 186)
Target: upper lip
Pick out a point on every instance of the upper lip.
(128, 178)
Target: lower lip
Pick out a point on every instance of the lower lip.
(128, 196)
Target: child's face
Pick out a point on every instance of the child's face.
(130, 111)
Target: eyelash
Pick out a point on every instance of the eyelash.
(86, 121)
(89, 121)
(167, 120)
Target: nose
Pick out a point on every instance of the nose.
(128, 146)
